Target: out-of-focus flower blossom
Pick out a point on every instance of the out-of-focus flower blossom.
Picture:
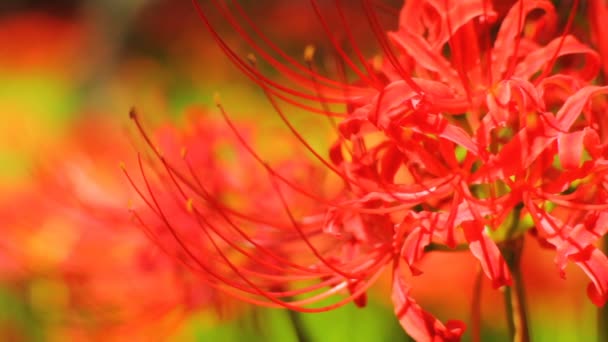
(214, 205)
(56, 41)
(72, 225)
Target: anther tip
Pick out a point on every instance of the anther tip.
(189, 205)
(309, 52)
(133, 113)
(377, 63)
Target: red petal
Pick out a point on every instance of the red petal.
(488, 254)
(537, 59)
(414, 45)
(510, 29)
(419, 324)
(595, 265)
(570, 148)
(413, 248)
(460, 137)
(390, 164)
(460, 13)
(519, 153)
(576, 246)
(574, 105)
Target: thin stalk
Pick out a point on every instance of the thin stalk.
(476, 307)
(515, 300)
(443, 248)
(298, 326)
(602, 313)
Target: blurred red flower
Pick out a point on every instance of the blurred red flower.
(72, 225)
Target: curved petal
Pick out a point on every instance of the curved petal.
(595, 264)
(417, 47)
(511, 28)
(536, 60)
(488, 254)
(459, 13)
(570, 149)
(576, 245)
(413, 248)
(525, 147)
(574, 105)
(419, 324)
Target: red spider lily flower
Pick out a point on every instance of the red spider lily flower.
(454, 140)
(72, 225)
(502, 95)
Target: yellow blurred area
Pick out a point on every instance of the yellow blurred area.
(40, 57)
(50, 244)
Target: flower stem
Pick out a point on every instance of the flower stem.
(298, 326)
(443, 248)
(476, 307)
(602, 313)
(515, 301)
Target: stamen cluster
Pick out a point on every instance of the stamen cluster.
(472, 130)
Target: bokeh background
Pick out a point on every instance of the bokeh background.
(63, 62)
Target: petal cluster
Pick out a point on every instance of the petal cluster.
(473, 128)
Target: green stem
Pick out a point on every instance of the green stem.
(476, 307)
(509, 313)
(298, 326)
(515, 301)
(443, 248)
(602, 313)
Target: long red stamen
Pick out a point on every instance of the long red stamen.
(549, 66)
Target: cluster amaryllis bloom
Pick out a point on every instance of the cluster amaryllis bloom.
(472, 130)
(72, 227)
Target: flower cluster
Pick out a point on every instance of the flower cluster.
(475, 127)
(473, 130)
